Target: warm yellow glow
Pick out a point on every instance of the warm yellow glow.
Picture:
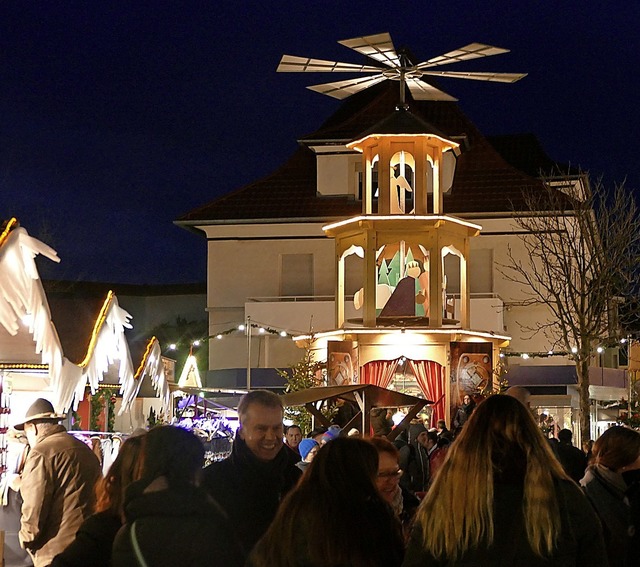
(402, 332)
(354, 220)
(10, 226)
(190, 375)
(22, 366)
(96, 329)
(143, 363)
(357, 144)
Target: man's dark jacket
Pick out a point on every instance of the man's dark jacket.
(572, 459)
(250, 490)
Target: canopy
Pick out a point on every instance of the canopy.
(366, 396)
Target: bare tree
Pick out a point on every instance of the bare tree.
(582, 244)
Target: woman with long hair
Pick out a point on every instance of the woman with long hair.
(335, 515)
(613, 471)
(170, 520)
(501, 497)
(92, 546)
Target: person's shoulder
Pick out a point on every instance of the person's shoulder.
(218, 470)
(572, 495)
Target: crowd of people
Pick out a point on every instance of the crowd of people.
(496, 491)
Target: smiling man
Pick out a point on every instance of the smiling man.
(252, 481)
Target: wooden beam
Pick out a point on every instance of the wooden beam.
(404, 424)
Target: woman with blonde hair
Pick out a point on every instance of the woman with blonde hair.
(501, 497)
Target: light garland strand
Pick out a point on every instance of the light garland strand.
(239, 328)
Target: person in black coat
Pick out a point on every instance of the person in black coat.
(414, 460)
(252, 481)
(94, 539)
(170, 520)
(616, 454)
(572, 459)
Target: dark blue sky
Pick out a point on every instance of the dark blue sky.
(119, 117)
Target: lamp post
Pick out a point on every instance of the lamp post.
(248, 329)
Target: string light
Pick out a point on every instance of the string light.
(574, 350)
(242, 327)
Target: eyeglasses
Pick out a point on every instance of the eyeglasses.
(390, 474)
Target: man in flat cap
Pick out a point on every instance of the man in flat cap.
(57, 484)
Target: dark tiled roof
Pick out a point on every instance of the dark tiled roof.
(525, 152)
(484, 182)
(75, 288)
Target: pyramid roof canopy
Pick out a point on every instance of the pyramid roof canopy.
(484, 181)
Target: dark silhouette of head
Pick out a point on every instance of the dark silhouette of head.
(173, 453)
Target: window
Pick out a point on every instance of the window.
(481, 271)
(296, 275)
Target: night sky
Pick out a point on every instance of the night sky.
(119, 117)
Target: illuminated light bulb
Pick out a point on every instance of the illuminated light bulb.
(524, 355)
(196, 343)
(172, 346)
(600, 350)
(283, 333)
(574, 350)
(623, 340)
(261, 330)
(241, 327)
(502, 355)
(218, 336)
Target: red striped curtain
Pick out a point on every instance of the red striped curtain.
(379, 372)
(429, 377)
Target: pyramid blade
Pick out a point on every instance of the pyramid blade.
(344, 89)
(492, 77)
(471, 51)
(379, 47)
(295, 64)
(424, 91)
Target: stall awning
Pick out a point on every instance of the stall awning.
(366, 396)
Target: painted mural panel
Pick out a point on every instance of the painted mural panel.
(471, 370)
(342, 363)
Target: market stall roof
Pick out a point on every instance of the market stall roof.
(223, 398)
(378, 397)
(366, 396)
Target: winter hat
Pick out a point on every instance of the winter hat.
(41, 409)
(414, 430)
(305, 446)
(332, 433)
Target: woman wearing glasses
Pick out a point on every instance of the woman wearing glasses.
(403, 502)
